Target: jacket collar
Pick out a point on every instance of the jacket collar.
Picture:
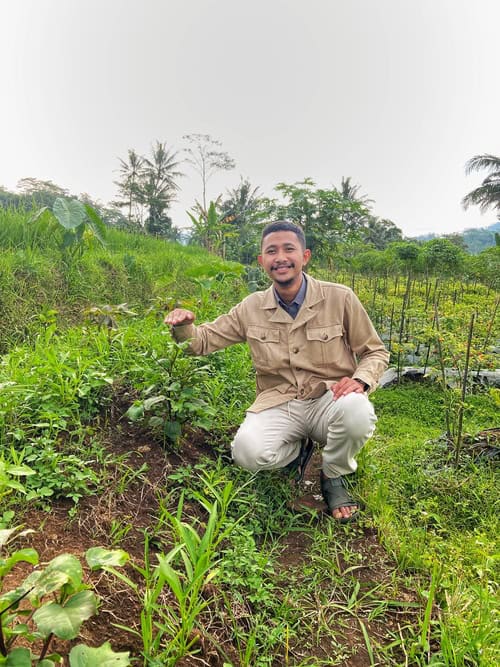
(314, 299)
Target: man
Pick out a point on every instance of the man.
(316, 356)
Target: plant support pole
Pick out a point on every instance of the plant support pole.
(464, 390)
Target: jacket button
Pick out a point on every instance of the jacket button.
(263, 337)
(301, 392)
(295, 350)
(324, 336)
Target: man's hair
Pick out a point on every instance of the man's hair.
(284, 226)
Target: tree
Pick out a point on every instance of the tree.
(380, 232)
(350, 192)
(148, 186)
(40, 193)
(442, 256)
(158, 188)
(242, 210)
(488, 193)
(129, 185)
(205, 156)
(210, 228)
(326, 216)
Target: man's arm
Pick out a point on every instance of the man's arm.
(206, 338)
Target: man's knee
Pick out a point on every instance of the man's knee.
(249, 453)
(358, 416)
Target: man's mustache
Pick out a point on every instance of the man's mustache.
(275, 267)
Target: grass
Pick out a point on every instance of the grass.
(429, 598)
(437, 518)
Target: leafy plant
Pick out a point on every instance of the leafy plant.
(173, 398)
(171, 630)
(53, 602)
(80, 224)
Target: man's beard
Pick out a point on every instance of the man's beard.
(284, 283)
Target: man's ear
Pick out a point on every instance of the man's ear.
(259, 259)
(306, 256)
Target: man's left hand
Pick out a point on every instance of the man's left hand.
(347, 386)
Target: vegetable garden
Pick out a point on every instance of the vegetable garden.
(126, 535)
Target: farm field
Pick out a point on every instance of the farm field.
(123, 520)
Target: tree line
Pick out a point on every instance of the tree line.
(334, 219)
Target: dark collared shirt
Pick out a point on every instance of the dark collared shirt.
(293, 308)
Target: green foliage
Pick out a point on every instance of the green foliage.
(80, 223)
(172, 393)
(147, 186)
(104, 656)
(50, 602)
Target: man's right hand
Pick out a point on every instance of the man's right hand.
(179, 316)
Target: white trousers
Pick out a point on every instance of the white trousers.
(271, 439)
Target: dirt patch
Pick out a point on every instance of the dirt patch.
(129, 505)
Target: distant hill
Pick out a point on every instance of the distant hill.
(475, 240)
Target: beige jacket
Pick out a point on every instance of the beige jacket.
(331, 337)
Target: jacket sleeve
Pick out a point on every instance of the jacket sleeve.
(371, 354)
(203, 339)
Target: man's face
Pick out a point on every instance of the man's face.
(283, 258)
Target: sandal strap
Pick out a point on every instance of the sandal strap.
(335, 495)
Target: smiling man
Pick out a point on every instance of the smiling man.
(316, 356)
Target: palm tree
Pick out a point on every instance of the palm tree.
(350, 192)
(488, 193)
(158, 187)
(131, 172)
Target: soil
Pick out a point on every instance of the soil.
(57, 531)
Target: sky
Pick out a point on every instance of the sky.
(396, 94)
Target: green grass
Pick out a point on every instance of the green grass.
(61, 373)
(430, 513)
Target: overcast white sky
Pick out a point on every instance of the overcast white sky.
(396, 94)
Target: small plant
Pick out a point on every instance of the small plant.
(170, 628)
(80, 224)
(53, 602)
(173, 397)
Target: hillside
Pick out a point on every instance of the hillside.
(119, 495)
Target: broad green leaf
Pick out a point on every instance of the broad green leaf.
(98, 557)
(149, 402)
(19, 470)
(172, 430)
(63, 569)
(65, 621)
(104, 656)
(96, 223)
(69, 212)
(20, 556)
(19, 657)
(135, 412)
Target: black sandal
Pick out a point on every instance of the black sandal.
(335, 495)
(297, 468)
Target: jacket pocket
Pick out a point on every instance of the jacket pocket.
(264, 346)
(326, 344)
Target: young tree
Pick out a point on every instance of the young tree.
(488, 193)
(205, 156)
